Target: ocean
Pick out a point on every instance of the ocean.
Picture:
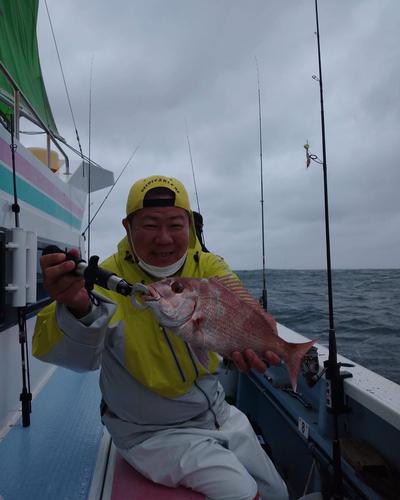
(366, 310)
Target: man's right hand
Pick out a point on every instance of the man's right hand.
(64, 286)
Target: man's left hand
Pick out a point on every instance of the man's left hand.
(251, 360)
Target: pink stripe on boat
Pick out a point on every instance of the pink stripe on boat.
(25, 169)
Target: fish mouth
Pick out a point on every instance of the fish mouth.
(153, 297)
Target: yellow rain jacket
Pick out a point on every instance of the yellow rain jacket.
(149, 377)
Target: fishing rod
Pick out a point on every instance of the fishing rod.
(334, 378)
(113, 186)
(191, 161)
(263, 298)
(198, 218)
(63, 76)
(90, 143)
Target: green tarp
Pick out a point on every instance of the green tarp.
(19, 54)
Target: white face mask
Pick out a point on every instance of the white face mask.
(162, 272)
(157, 272)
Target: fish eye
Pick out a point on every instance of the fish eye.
(177, 287)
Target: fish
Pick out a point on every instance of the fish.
(220, 315)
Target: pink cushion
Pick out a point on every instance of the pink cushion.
(129, 484)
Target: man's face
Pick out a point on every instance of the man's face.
(160, 234)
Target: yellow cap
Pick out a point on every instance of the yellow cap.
(141, 187)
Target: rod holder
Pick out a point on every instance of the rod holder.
(23, 246)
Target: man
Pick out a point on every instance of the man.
(166, 413)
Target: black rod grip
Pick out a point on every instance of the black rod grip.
(55, 249)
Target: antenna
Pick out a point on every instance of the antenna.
(263, 298)
(191, 161)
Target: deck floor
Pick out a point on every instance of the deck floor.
(55, 457)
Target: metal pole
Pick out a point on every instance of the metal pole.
(16, 114)
(48, 151)
(40, 123)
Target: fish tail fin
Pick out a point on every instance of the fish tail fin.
(293, 360)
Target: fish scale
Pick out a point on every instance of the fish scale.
(239, 327)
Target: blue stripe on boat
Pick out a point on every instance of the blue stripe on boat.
(55, 457)
(29, 194)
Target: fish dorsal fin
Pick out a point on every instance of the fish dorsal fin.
(236, 287)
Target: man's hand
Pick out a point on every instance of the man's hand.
(251, 360)
(64, 286)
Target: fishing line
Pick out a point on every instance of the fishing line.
(65, 83)
(263, 298)
(309, 477)
(112, 187)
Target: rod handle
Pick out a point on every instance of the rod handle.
(55, 249)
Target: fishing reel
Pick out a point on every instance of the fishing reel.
(95, 275)
(334, 398)
(310, 366)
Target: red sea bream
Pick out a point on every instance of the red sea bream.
(220, 315)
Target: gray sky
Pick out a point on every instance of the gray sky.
(157, 62)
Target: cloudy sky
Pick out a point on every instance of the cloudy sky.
(157, 63)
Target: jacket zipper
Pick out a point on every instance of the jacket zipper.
(174, 355)
(200, 389)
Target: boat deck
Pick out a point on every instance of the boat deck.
(55, 457)
(67, 452)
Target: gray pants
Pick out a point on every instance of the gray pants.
(223, 465)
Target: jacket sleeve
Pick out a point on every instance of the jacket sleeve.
(62, 340)
(216, 266)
